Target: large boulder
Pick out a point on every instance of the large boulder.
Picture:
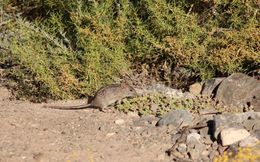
(239, 90)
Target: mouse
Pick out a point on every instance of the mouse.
(104, 97)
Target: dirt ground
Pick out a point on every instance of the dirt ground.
(29, 132)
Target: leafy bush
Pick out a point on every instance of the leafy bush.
(63, 49)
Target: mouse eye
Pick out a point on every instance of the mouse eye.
(131, 90)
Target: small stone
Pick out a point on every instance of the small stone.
(119, 121)
(196, 152)
(193, 137)
(204, 131)
(195, 88)
(221, 149)
(137, 128)
(178, 154)
(110, 134)
(249, 142)
(214, 145)
(205, 153)
(182, 148)
(205, 158)
(177, 117)
(232, 135)
(153, 123)
(207, 140)
(195, 149)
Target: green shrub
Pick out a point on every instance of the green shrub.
(66, 49)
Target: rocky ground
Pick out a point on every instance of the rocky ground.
(30, 132)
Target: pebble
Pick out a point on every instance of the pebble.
(221, 149)
(214, 145)
(194, 154)
(207, 140)
(193, 137)
(110, 134)
(119, 121)
(205, 153)
(182, 148)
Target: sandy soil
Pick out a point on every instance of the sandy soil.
(31, 133)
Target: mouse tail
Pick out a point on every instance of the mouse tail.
(69, 107)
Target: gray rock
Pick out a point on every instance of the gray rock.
(196, 152)
(209, 87)
(204, 131)
(193, 137)
(214, 145)
(230, 136)
(205, 156)
(233, 120)
(182, 148)
(119, 121)
(221, 149)
(207, 140)
(177, 118)
(250, 141)
(239, 90)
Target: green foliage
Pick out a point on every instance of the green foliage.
(159, 104)
(64, 49)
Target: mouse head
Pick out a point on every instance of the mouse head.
(129, 91)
